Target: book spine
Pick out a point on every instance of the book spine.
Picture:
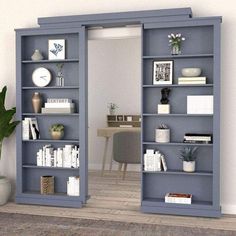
(59, 105)
(163, 161)
(59, 100)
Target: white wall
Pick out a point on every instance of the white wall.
(114, 76)
(20, 14)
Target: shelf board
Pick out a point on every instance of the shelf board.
(179, 172)
(47, 167)
(51, 141)
(161, 203)
(178, 144)
(120, 121)
(49, 61)
(178, 115)
(50, 114)
(176, 85)
(179, 56)
(49, 87)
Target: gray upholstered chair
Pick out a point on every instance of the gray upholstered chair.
(126, 149)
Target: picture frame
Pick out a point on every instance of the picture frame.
(120, 118)
(163, 72)
(56, 49)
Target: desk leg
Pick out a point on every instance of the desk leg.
(110, 167)
(104, 156)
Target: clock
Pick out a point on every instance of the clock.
(41, 77)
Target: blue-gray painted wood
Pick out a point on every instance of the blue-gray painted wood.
(202, 49)
(111, 18)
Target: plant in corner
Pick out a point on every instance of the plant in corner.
(7, 126)
(57, 131)
(188, 155)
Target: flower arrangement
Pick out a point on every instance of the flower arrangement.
(175, 41)
(112, 108)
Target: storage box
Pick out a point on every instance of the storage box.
(180, 198)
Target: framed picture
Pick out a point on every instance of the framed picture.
(163, 72)
(56, 49)
(120, 118)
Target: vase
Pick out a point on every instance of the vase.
(59, 80)
(37, 56)
(56, 135)
(162, 136)
(175, 49)
(112, 111)
(188, 166)
(5, 190)
(37, 102)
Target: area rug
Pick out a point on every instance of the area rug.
(32, 225)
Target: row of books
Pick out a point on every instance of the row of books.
(197, 138)
(180, 198)
(59, 105)
(192, 80)
(154, 161)
(67, 157)
(30, 129)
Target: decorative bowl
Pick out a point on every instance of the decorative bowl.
(191, 72)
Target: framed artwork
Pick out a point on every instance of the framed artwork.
(56, 49)
(120, 118)
(163, 72)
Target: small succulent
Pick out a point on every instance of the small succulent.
(59, 67)
(57, 127)
(112, 106)
(188, 154)
(163, 126)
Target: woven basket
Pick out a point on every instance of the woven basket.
(47, 184)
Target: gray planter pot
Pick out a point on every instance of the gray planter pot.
(162, 136)
(5, 190)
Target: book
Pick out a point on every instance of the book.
(59, 100)
(180, 198)
(34, 128)
(26, 132)
(191, 82)
(204, 138)
(163, 162)
(126, 126)
(197, 141)
(58, 110)
(59, 105)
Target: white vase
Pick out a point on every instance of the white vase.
(5, 190)
(189, 166)
(37, 56)
(162, 136)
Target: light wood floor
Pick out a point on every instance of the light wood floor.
(119, 201)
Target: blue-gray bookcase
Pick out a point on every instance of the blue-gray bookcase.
(201, 49)
(74, 71)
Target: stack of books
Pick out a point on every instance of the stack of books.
(67, 157)
(154, 161)
(30, 129)
(180, 198)
(197, 138)
(73, 185)
(192, 80)
(59, 105)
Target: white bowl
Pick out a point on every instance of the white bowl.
(191, 72)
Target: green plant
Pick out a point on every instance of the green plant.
(112, 106)
(59, 67)
(175, 39)
(188, 154)
(7, 126)
(57, 128)
(163, 126)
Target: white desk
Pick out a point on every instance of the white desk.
(107, 133)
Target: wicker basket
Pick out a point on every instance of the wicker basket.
(47, 184)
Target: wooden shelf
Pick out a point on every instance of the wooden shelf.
(178, 144)
(177, 115)
(48, 167)
(178, 56)
(176, 85)
(49, 87)
(50, 141)
(49, 61)
(178, 172)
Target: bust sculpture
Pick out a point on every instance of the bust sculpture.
(165, 92)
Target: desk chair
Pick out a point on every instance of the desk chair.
(126, 149)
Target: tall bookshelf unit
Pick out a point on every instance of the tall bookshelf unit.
(200, 49)
(74, 71)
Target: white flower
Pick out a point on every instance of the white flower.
(172, 35)
(169, 36)
(179, 35)
(170, 40)
(183, 38)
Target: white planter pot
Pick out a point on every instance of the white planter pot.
(189, 166)
(162, 136)
(5, 190)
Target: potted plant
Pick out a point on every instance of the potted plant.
(175, 43)
(188, 155)
(7, 126)
(57, 131)
(162, 134)
(112, 108)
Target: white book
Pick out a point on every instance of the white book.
(59, 105)
(40, 157)
(34, 128)
(157, 161)
(192, 78)
(59, 100)
(26, 132)
(201, 138)
(191, 82)
(200, 104)
(163, 161)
